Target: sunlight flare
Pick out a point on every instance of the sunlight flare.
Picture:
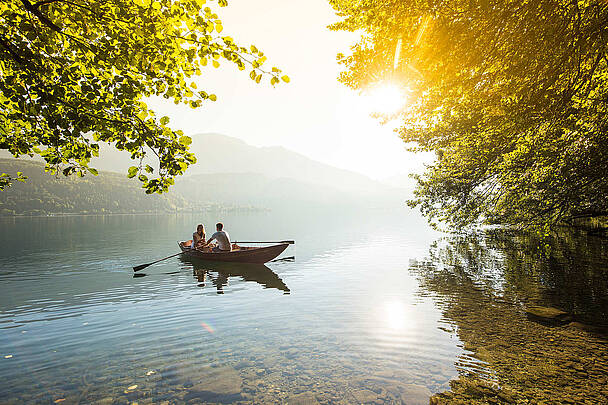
(208, 327)
(386, 99)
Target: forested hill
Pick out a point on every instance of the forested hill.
(44, 193)
(316, 186)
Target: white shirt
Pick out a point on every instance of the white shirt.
(222, 238)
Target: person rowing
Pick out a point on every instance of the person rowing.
(198, 237)
(222, 238)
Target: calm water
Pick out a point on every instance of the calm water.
(369, 311)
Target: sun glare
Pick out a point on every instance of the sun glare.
(386, 99)
(395, 315)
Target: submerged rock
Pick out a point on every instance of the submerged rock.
(466, 390)
(602, 330)
(220, 385)
(305, 398)
(548, 315)
(364, 396)
(180, 374)
(414, 394)
(224, 380)
(243, 364)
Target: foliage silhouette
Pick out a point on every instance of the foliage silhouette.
(512, 97)
(74, 73)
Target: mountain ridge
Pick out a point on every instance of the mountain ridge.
(218, 153)
(229, 173)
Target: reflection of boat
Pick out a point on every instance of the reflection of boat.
(240, 255)
(259, 273)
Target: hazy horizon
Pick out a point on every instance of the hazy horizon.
(314, 114)
(115, 161)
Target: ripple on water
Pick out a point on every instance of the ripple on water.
(352, 320)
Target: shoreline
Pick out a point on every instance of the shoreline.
(104, 214)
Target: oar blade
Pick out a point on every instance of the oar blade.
(140, 267)
(143, 266)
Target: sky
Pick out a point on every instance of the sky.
(314, 114)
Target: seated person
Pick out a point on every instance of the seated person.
(222, 238)
(198, 237)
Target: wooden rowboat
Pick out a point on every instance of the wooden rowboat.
(241, 254)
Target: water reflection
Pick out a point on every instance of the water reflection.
(218, 274)
(79, 327)
(396, 316)
(485, 282)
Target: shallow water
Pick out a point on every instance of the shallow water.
(358, 316)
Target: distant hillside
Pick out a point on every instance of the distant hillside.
(401, 181)
(44, 194)
(223, 154)
(218, 153)
(229, 173)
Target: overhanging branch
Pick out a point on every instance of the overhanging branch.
(33, 8)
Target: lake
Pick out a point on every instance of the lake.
(369, 306)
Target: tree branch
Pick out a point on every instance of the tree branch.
(33, 8)
(10, 50)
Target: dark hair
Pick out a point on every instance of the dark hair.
(219, 226)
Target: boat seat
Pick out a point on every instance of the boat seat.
(188, 243)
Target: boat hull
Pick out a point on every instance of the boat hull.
(258, 255)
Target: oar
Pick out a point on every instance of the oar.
(285, 259)
(143, 266)
(290, 242)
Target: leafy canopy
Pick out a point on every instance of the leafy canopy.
(511, 95)
(73, 73)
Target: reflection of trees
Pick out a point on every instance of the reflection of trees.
(570, 266)
(482, 281)
(567, 270)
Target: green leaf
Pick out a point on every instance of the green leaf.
(132, 171)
